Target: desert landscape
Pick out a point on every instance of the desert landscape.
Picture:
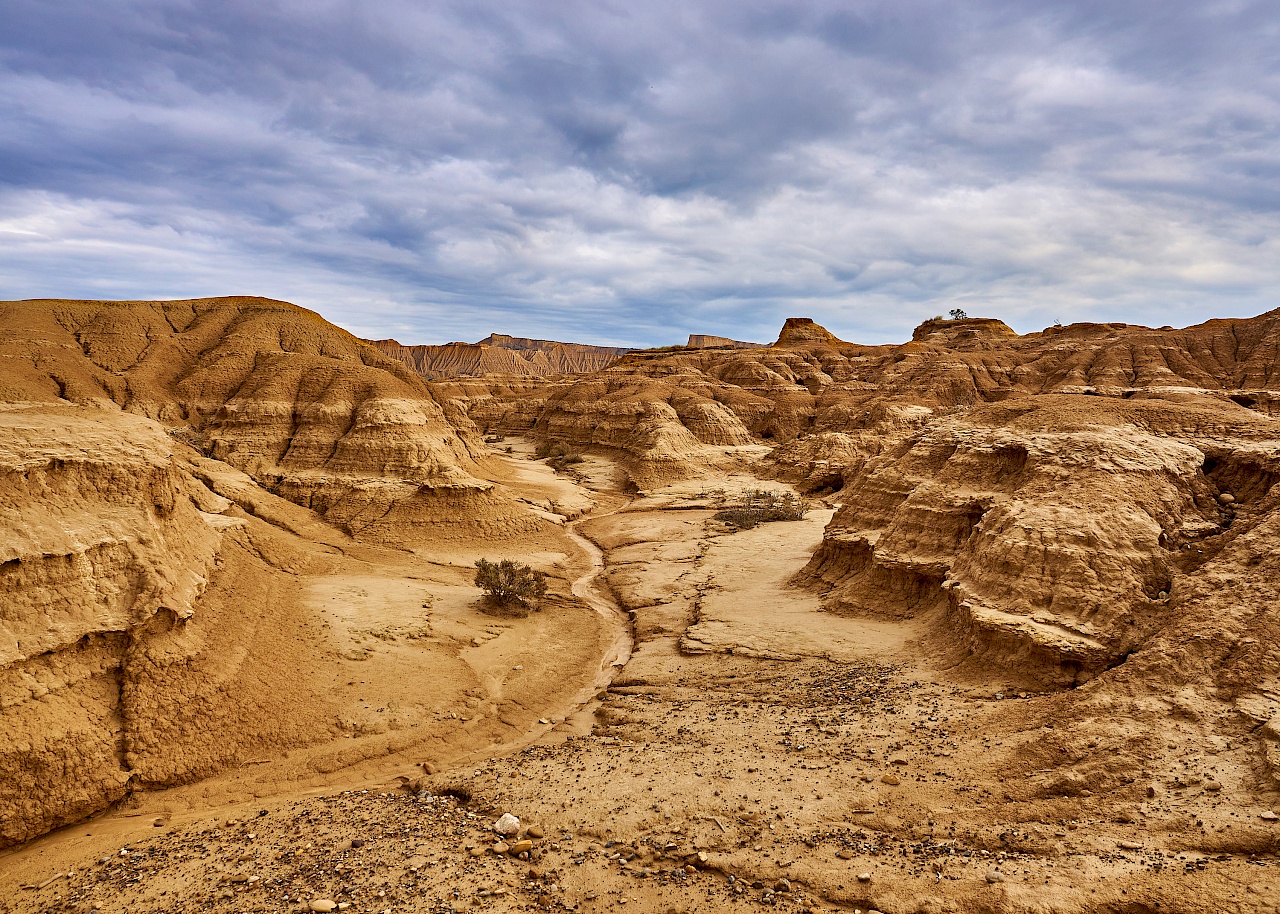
(1019, 652)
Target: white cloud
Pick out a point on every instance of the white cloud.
(633, 174)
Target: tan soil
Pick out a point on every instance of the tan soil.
(779, 743)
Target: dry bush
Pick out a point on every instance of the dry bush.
(761, 506)
(511, 584)
(559, 453)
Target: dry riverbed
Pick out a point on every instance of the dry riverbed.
(753, 751)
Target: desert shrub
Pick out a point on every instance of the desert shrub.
(559, 454)
(510, 583)
(545, 449)
(761, 506)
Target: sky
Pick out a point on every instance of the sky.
(630, 173)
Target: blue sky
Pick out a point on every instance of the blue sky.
(630, 173)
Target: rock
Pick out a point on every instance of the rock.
(891, 780)
(534, 831)
(522, 847)
(782, 885)
(1129, 845)
(507, 824)
(995, 876)
(501, 848)
(844, 854)
(1226, 498)
(864, 877)
(1269, 816)
(357, 842)
(322, 906)
(1212, 786)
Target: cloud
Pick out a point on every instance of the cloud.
(617, 173)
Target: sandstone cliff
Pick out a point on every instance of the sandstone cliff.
(303, 407)
(142, 638)
(705, 341)
(498, 354)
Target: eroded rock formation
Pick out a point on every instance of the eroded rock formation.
(141, 620)
(1041, 499)
(499, 354)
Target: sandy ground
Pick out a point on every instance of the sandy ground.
(733, 747)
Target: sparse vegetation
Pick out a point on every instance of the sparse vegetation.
(557, 454)
(760, 506)
(510, 584)
(958, 314)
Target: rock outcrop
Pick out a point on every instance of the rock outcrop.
(705, 341)
(498, 354)
(305, 408)
(138, 622)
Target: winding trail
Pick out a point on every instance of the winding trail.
(588, 589)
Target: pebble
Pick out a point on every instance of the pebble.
(864, 877)
(1269, 816)
(534, 831)
(501, 848)
(782, 885)
(507, 824)
(891, 780)
(1226, 498)
(1213, 786)
(995, 876)
(522, 847)
(322, 906)
(1130, 845)
(844, 854)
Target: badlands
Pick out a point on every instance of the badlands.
(1022, 654)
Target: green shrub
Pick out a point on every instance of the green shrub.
(761, 506)
(510, 583)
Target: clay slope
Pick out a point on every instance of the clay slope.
(498, 354)
(303, 407)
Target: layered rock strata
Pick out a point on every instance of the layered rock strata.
(137, 624)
